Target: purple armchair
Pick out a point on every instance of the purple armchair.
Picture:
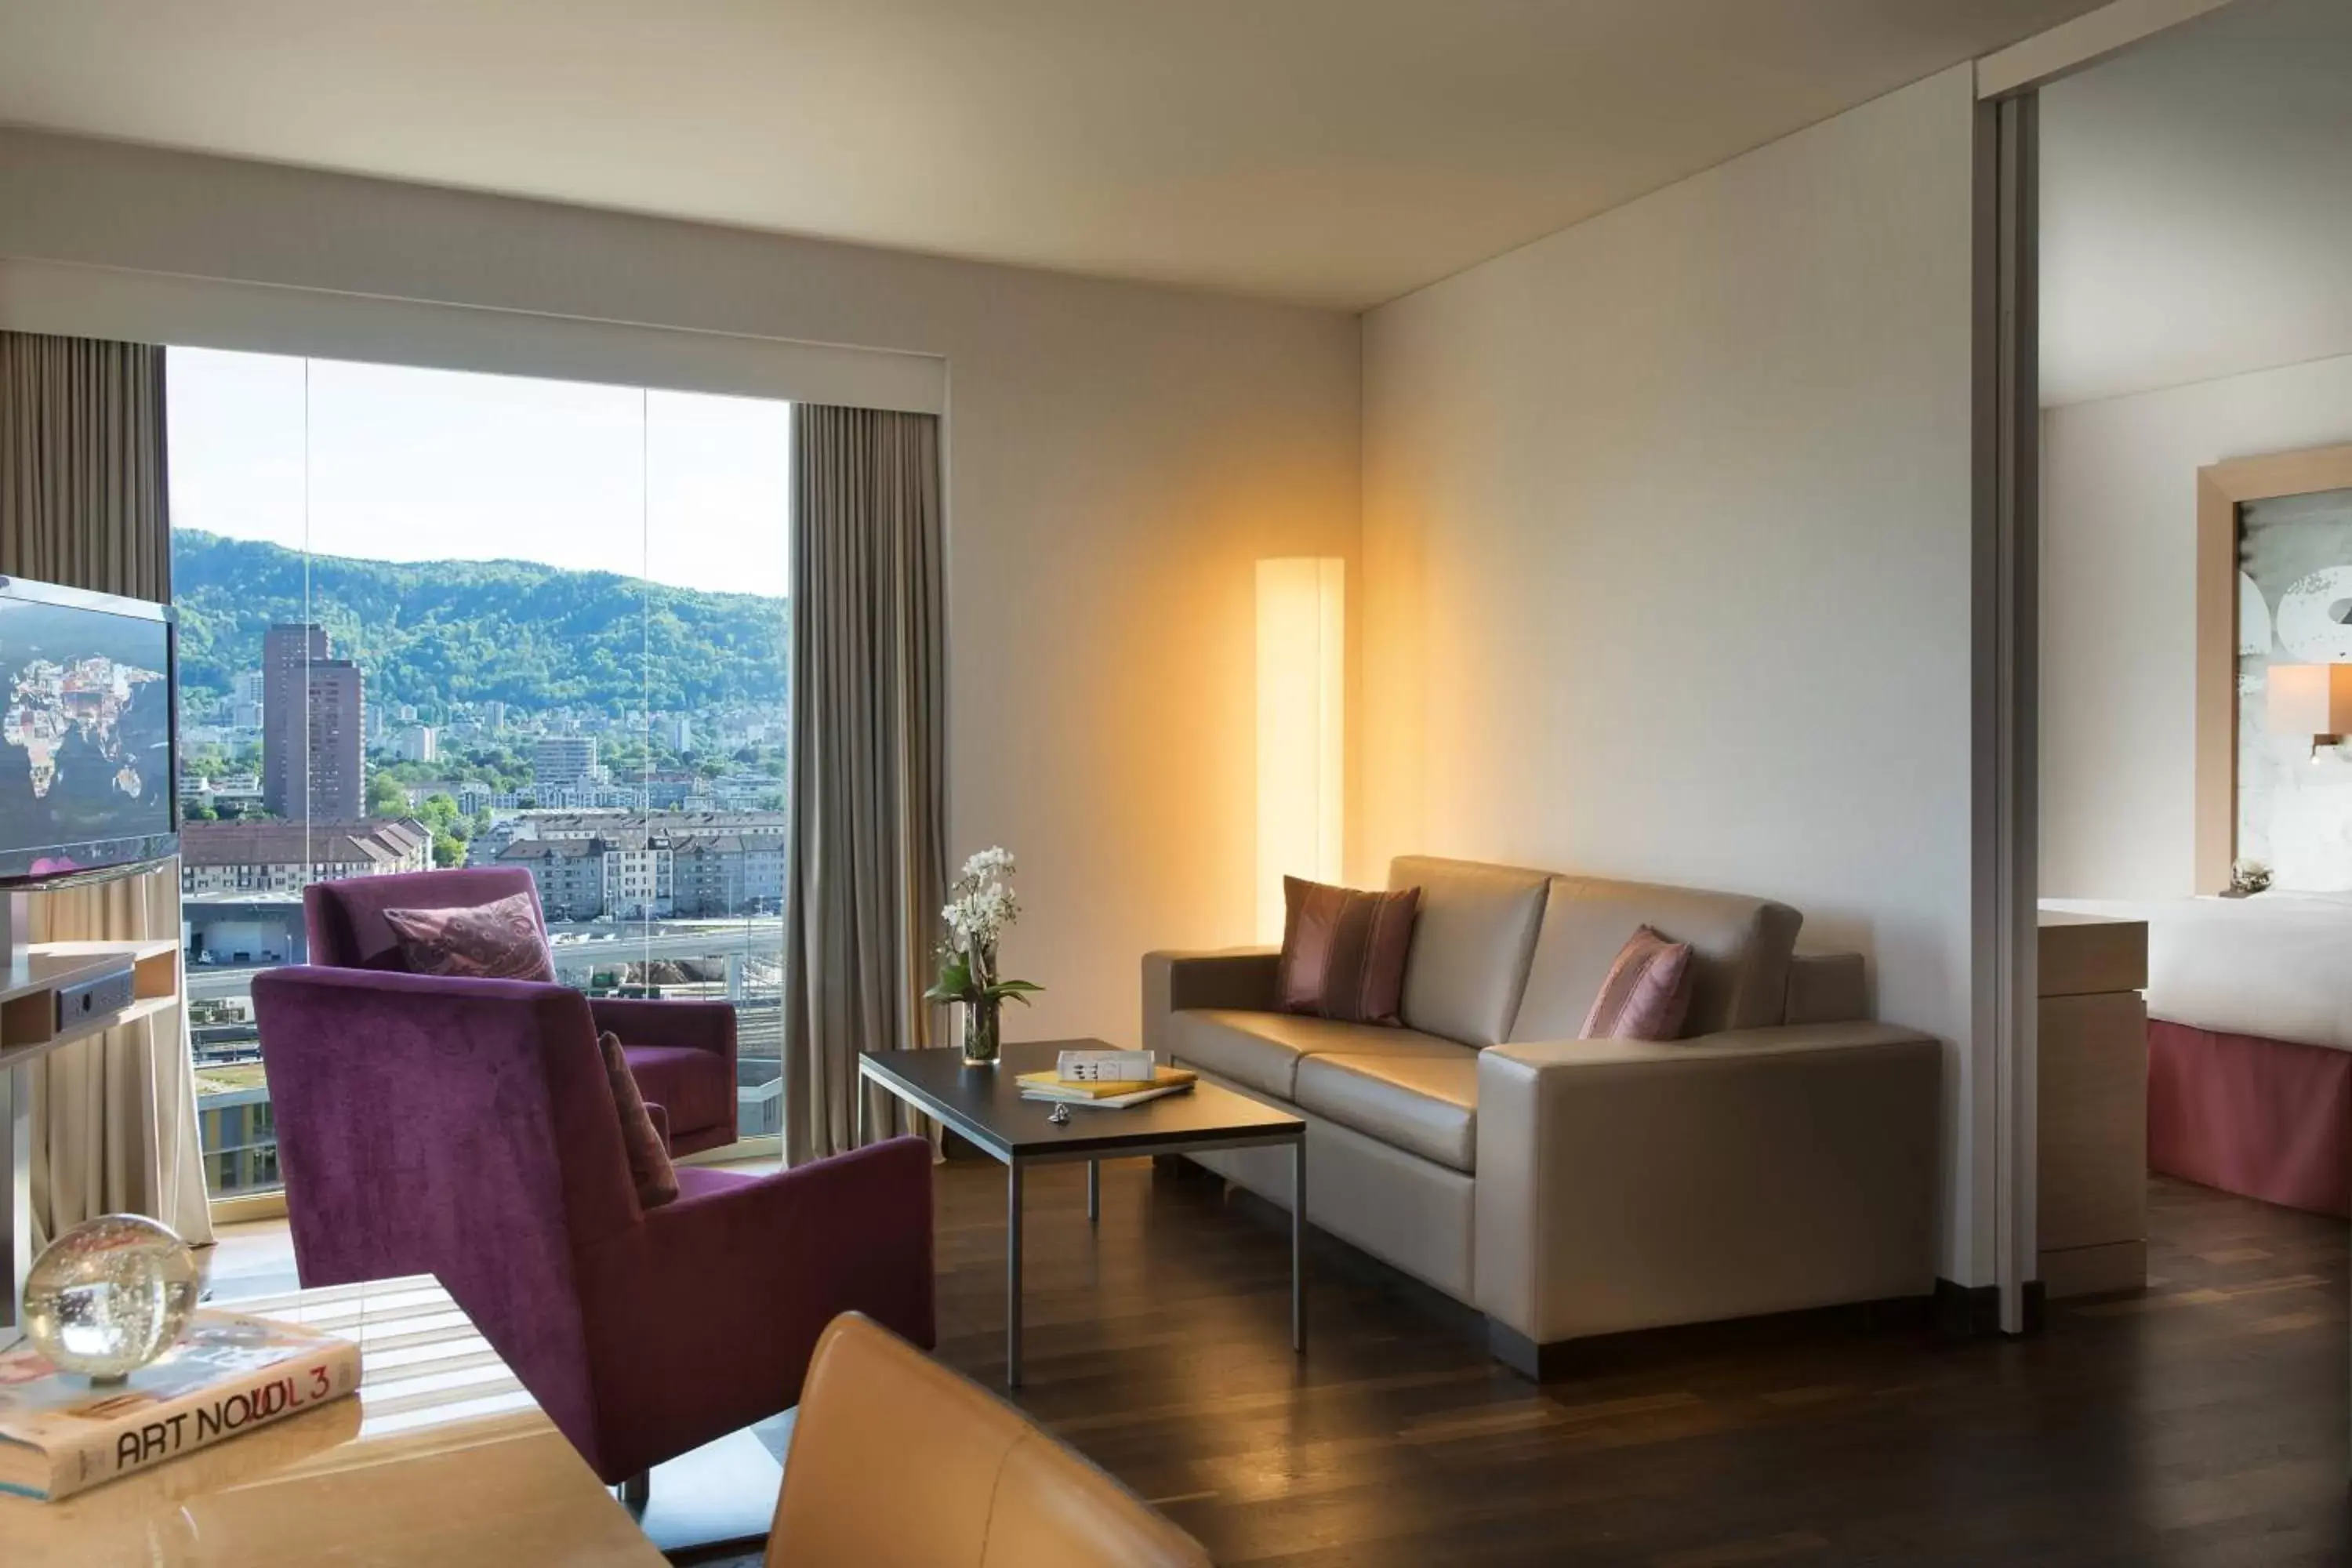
(466, 1128)
(682, 1053)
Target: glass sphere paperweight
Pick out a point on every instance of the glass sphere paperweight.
(111, 1295)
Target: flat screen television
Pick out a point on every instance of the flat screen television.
(89, 774)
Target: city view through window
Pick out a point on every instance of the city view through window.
(431, 619)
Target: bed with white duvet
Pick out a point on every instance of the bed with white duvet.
(2250, 1041)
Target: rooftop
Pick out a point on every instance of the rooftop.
(674, 823)
(381, 841)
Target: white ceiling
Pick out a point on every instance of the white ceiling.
(1337, 151)
(2196, 203)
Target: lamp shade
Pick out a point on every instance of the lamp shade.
(2307, 700)
(1302, 663)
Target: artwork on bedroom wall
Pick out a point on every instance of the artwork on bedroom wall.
(2294, 607)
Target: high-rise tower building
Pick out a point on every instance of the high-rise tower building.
(313, 714)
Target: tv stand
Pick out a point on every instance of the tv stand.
(34, 973)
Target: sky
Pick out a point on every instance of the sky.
(687, 488)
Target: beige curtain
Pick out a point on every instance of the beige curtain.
(868, 835)
(82, 502)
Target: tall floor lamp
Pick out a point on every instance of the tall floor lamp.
(1302, 665)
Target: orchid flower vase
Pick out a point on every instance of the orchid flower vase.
(981, 905)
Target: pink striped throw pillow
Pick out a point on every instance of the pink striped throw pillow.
(649, 1165)
(1343, 951)
(1647, 993)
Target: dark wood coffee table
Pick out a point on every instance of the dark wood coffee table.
(983, 1107)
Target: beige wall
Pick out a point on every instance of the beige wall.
(1667, 556)
(1664, 527)
(2118, 613)
(1117, 458)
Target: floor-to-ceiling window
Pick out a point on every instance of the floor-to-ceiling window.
(440, 618)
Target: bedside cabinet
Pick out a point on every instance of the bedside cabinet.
(2093, 1183)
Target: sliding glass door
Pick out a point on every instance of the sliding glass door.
(440, 618)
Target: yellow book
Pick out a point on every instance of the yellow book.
(1047, 1085)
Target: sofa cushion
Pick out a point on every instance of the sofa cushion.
(501, 939)
(1262, 1050)
(1426, 1105)
(650, 1167)
(1827, 988)
(1343, 951)
(1740, 949)
(1645, 994)
(1470, 945)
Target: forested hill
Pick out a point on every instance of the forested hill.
(433, 633)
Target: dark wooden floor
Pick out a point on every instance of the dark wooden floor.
(2202, 1423)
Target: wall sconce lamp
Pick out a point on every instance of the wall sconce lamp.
(1302, 668)
(2313, 700)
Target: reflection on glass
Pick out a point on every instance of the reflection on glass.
(433, 618)
(716, 707)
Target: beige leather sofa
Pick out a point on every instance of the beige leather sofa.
(1783, 1154)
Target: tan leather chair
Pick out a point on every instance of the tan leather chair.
(898, 1462)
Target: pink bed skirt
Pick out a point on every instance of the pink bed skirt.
(2267, 1119)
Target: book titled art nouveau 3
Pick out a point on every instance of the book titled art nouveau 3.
(60, 1433)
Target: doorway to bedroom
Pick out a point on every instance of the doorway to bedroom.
(2195, 687)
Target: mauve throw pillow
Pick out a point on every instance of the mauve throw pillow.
(1343, 951)
(1647, 993)
(649, 1167)
(497, 941)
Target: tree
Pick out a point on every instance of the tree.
(448, 850)
(439, 635)
(440, 814)
(385, 795)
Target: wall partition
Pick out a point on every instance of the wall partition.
(435, 617)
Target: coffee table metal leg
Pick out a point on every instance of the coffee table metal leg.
(1298, 1245)
(1094, 1189)
(1012, 1274)
(860, 1091)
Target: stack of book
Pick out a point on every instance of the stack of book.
(1105, 1080)
(61, 1433)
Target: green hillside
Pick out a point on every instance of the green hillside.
(433, 633)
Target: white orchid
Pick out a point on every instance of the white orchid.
(979, 918)
(980, 905)
(993, 864)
